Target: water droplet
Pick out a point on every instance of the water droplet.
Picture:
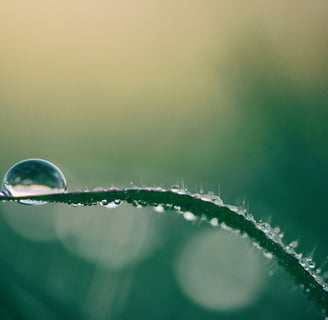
(276, 230)
(250, 217)
(177, 208)
(189, 216)
(294, 244)
(318, 271)
(110, 205)
(225, 227)
(265, 227)
(103, 202)
(290, 250)
(307, 263)
(274, 237)
(159, 208)
(311, 264)
(77, 204)
(98, 189)
(214, 222)
(267, 254)
(33, 177)
(175, 188)
(217, 200)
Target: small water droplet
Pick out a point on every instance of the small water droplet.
(217, 200)
(256, 245)
(214, 222)
(103, 202)
(290, 250)
(33, 177)
(311, 264)
(274, 237)
(77, 204)
(175, 188)
(267, 254)
(265, 227)
(276, 230)
(250, 217)
(225, 227)
(189, 216)
(110, 205)
(298, 255)
(294, 244)
(307, 263)
(159, 208)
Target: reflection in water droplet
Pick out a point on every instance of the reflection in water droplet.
(33, 177)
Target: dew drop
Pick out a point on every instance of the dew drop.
(268, 255)
(159, 208)
(175, 188)
(33, 177)
(265, 227)
(225, 227)
(104, 202)
(214, 222)
(110, 205)
(294, 244)
(276, 230)
(189, 216)
(307, 263)
(217, 200)
(290, 250)
(274, 237)
(250, 217)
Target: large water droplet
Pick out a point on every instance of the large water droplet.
(33, 177)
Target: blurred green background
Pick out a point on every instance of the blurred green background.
(228, 96)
